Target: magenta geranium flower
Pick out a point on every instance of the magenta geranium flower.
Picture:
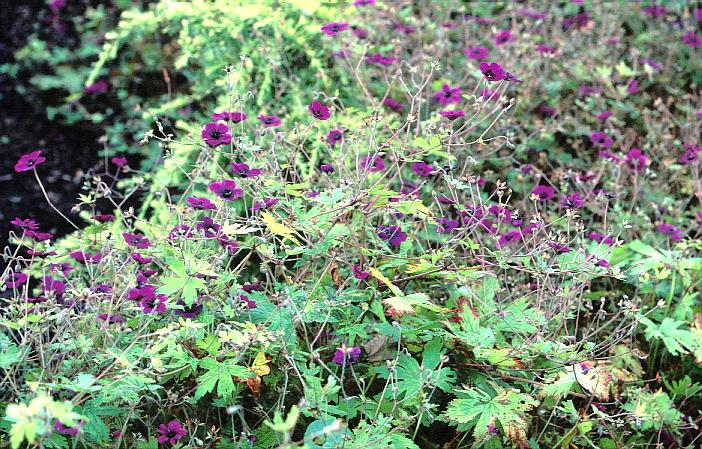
(543, 193)
(170, 433)
(344, 355)
(334, 28)
(65, 430)
(201, 203)
(139, 294)
(572, 201)
(326, 168)
(559, 247)
(120, 161)
(489, 94)
(29, 161)
(422, 169)
(636, 160)
(181, 231)
(265, 204)
(363, 2)
(229, 244)
(358, 273)
(379, 59)
(216, 133)
(39, 236)
(446, 225)
(319, 110)
(546, 50)
(671, 231)
(503, 37)
(268, 120)
(335, 136)
(633, 87)
(655, 11)
(208, 228)
(244, 171)
(226, 189)
(601, 238)
(187, 311)
(136, 240)
(452, 115)
(233, 116)
(604, 115)
(359, 32)
(692, 40)
(373, 163)
(476, 53)
(393, 105)
(508, 238)
(691, 154)
(392, 234)
(141, 259)
(14, 280)
(448, 94)
(157, 304)
(492, 71)
(26, 224)
(103, 218)
(601, 139)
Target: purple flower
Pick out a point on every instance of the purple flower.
(601, 139)
(141, 259)
(208, 228)
(268, 120)
(201, 203)
(319, 110)
(546, 110)
(448, 94)
(697, 14)
(120, 161)
(228, 243)
(111, 319)
(602, 116)
(633, 87)
(543, 193)
(503, 37)
(500, 213)
(335, 136)
(104, 218)
(226, 189)
(234, 117)
(358, 273)
(559, 247)
(691, 154)
(379, 59)
(136, 240)
(655, 11)
(39, 236)
(531, 14)
(326, 168)
(476, 53)
(188, 311)
(83, 257)
(170, 433)
(393, 105)
(139, 294)
(244, 171)
(181, 231)
(265, 204)
(650, 62)
(248, 302)
(70, 431)
(157, 304)
(29, 161)
(345, 355)
(546, 50)
(636, 160)
(373, 163)
(572, 201)
(98, 87)
(422, 169)
(692, 40)
(363, 2)
(671, 231)
(392, 234)
(492, 71)
(403, 29)
(601, 238)
(446, 225)
(334, 28)
(216, 133)
(452, 115)
(489, 94)
(359, 32)
(14, 280)
(26, 224)
(508, 238)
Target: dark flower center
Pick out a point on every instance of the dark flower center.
(215, 134)
(226, 193)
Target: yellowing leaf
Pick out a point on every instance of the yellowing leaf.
(593, 379)
(260, 365)
(278, 228)
(376, 273)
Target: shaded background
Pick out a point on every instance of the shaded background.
(24, 126)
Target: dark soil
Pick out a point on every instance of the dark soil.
(24, 127)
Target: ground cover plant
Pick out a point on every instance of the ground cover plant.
(365, 225)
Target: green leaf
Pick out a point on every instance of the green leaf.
(220, 374)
